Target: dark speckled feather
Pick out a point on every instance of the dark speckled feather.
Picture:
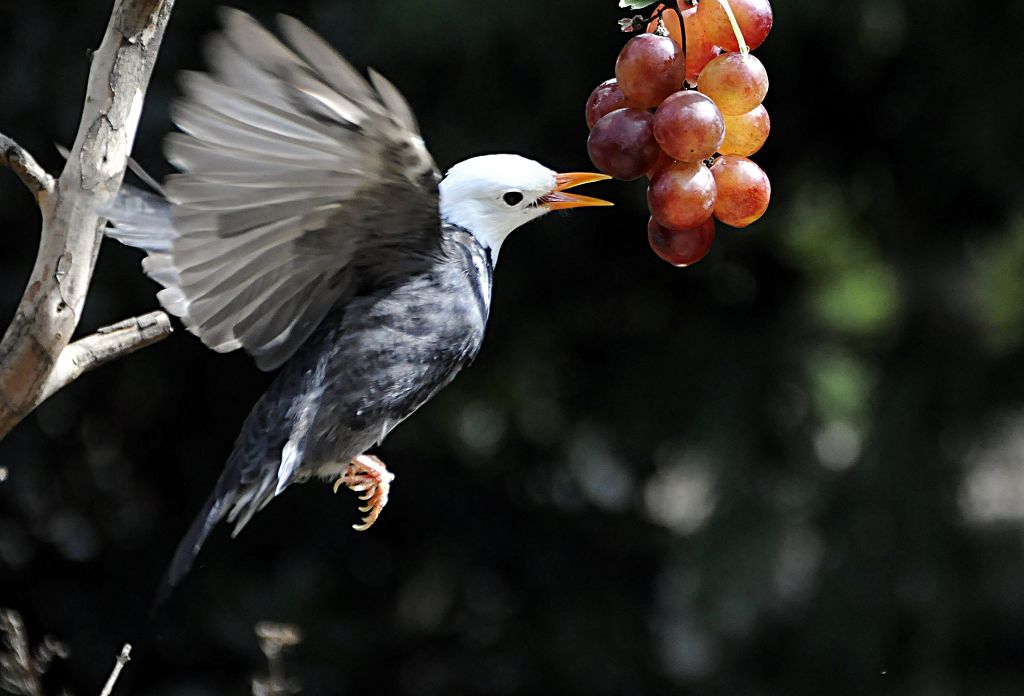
(372, 362)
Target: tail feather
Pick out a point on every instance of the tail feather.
(140, 219)
(146, 177)
(213, 511)
(241, 491)
(145, 221)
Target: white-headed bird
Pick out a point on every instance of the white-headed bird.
(310, 227)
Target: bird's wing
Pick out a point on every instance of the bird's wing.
(296, 177)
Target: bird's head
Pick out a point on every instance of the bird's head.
(494, 194)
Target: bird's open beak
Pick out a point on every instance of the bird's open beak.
(559, 200)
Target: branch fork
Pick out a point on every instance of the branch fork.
(36, 354)
(36, 179)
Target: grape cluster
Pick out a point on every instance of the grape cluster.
(684, 109)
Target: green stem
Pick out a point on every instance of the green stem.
(744, 49)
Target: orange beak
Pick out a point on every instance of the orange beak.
(559, 200)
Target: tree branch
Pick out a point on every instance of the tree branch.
(38, 181)
(71, 231)
(122, 660)
(107, 344)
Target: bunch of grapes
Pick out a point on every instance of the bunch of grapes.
(684, 109)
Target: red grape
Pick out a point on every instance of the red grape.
(663, 161)
(700, 50)
(622, 143)
(754, 18)
(689, 126)
(743, 190)
(736, 82)
(649, 68)
(746, 133)
(605, 98)
(681, 247)
(682, 195)
(649, 120)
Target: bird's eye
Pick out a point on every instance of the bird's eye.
(513, 198)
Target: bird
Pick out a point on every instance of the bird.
(309, 226)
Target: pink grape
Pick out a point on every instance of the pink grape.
(649, 68)
(681, 247)
(746, 133)
(605, 98)
(682, 195)
(700, 49)
(737, 83)
(663, 161)
(743, 190)
(689, 126)
(622, 144)
(754, 18)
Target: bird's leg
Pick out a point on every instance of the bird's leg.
(367, 474)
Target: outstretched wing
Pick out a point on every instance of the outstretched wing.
(299, 180)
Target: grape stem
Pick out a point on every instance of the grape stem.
(667, 5)
(674, 5)
(658, 13)
(744, 49)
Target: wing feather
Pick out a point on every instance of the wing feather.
(335, 70)
(394, 102)
(278, 349)
(191, 155)
(299, 181)
(216, 129)
(237, 105)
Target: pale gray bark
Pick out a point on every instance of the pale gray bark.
(122, 660)
(33, 363)
(35, 178)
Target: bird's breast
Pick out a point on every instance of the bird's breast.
(386, 353)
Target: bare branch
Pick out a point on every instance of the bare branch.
(38, 181)
(21, 667)
(274, 638)
(122, 660)
(108, 343)
(72, 231)
(18, 675)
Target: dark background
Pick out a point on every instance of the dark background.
(795, 468)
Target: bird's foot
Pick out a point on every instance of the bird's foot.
(366, 474)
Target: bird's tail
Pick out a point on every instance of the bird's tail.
(145, 221)
(140, 219)
(213, 512)
(236, 498)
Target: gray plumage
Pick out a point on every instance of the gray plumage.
(304, 228)
(371, 363)
(307, 226)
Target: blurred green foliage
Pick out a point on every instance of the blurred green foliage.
(1000, 288)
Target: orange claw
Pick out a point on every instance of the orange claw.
(366, 474)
